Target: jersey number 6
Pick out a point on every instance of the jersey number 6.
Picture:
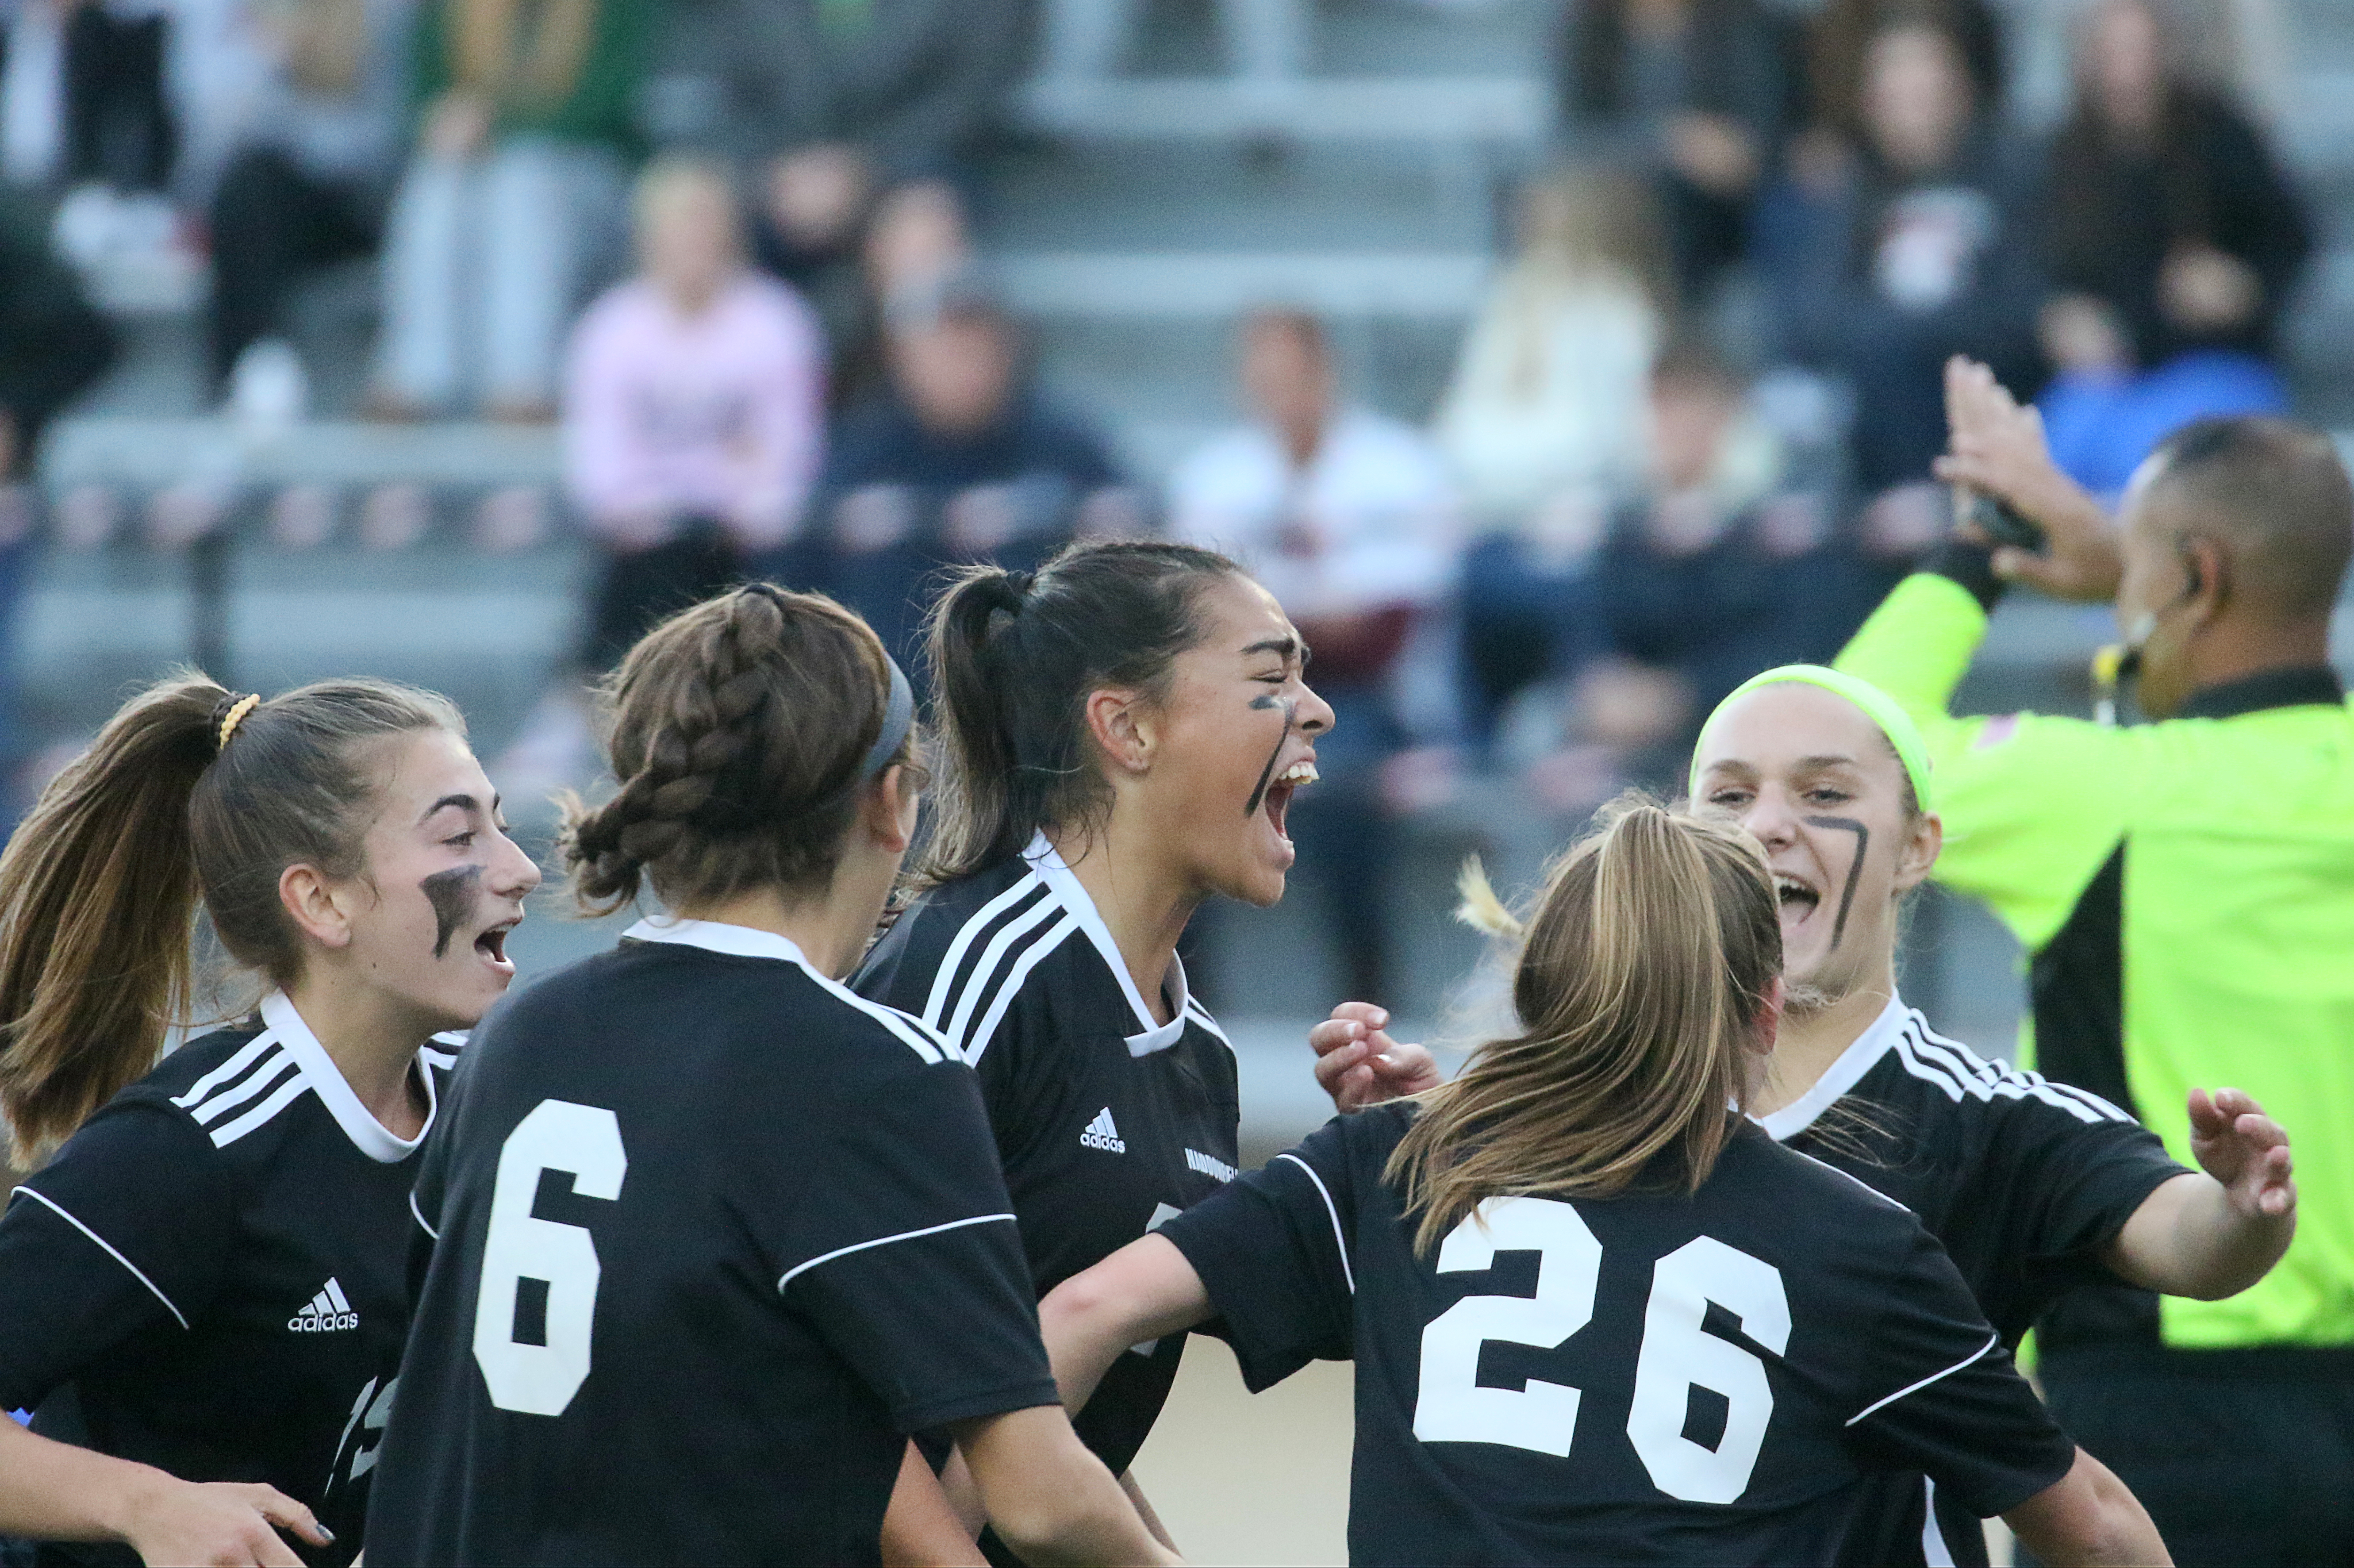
(1677, 1353)
(540, 1379)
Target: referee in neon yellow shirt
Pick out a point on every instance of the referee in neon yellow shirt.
(2186, 888)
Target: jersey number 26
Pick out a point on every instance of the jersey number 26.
(1678, 1354)
(585, 1142)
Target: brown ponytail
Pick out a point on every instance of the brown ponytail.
(1013, 657)
(1641, 987)
(99, 886)
(741, 727)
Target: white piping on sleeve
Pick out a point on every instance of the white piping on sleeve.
(1975, 1356)
(887, 1241)
(1338, 1239)
(102, 1241)
(420, 1214)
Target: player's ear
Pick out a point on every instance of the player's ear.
(316, 906)
(887, 809)
(1918, 850)
(1769, 1026)
(1121, 728)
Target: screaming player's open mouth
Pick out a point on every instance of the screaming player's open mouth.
(493, 946)
(1280, 789)
(1799, 899)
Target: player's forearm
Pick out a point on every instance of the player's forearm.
(1049, 1499)
(2188, 1239)
(2088, 1519)
(55, 1491)
(920, 1529)
(1144, 1510)
(1141, 1292)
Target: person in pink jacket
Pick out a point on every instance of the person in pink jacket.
(693, 426)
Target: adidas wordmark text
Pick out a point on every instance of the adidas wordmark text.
(327, 1312)
(1101, 1134)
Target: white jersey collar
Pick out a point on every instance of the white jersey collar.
(1064, 883)
(371, 1137)
(1842, 1075)
(718, 937)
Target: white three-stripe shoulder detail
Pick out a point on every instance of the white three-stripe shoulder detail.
(1959, 1072)
(136, 1272)
(973, 1042)
(244, 1057)
(1012, 940)
(295, 1086)
(1340, 1238)
(936, 1005)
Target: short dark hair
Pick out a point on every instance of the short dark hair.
(2277, 492)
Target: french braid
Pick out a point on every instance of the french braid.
(738, 729)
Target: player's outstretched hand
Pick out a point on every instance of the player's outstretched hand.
(1359, 1066)
(1996, 445)
(220, 1524)
(2246, 1151)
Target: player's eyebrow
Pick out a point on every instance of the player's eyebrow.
(1284, 647)
(463, 803)
(1817, 764)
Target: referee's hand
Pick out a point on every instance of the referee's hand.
(1359, 1066)
(2246, 1151)
(1994, 444)
(221, 1524)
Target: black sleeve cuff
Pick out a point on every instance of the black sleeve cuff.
(1970, 565)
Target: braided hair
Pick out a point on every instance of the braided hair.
(740, 731)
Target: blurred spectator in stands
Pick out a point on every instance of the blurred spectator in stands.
(1695, 91)
(1350, 520)
(307, 183)
(53, 346)
(1922, 251)
(870, 95)
(81, 95)
(1266, 43)
(523, 140)
(2173, 241)
(1838, 42)
(1543, 421)
(961, 456)
(914, 240)
(694, 425)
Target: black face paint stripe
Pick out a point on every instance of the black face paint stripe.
(451, 894)
(1267, 774)
(1854, 871)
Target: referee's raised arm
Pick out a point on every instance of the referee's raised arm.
(2185, 888)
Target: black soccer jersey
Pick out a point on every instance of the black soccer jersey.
(714, 1236)
(211, 1276)
(1652, 1378)
(2025, 1182)
(1108, 1123)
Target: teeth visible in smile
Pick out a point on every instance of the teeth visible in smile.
(1300, 772)
(1787, 888)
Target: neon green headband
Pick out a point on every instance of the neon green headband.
(1878, 706)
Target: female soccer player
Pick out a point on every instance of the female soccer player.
(1122, 734)
(714, 1236)
(2034, 1187)
(1598, 1315)
(203, 1294)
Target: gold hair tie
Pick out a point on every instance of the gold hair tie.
(244, 705)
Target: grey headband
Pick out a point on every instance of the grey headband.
(899, 718)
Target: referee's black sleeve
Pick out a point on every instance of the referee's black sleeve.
(900, 1245)
(1940, 1395)
(1273, 1251)
(127, 1232)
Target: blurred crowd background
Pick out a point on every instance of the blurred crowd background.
(1558, 363)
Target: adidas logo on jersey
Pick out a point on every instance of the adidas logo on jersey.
(1101, 1134)
(327, 1313)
